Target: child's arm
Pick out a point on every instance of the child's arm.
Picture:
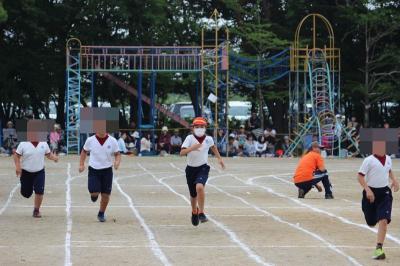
(117, 160)
(368, 191)
(185, 151)
(52, 156)
(395, 183)
(214, 149)
(82, 161)
(17, 161)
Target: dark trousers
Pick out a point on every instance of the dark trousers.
(318, 177)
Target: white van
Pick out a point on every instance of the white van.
(239, 110)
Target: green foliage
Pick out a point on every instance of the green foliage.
(3, 13)
(34, 33)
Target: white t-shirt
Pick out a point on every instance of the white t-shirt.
(101, 156)
(198, 157)
(122, 145)
(32, 157)
(376, 174)
(145, 145)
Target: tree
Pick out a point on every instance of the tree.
(3, 12)
(376, 30)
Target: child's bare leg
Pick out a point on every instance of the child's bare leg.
(193, 202)
(200, 196)
(38, 201)
(382, 228)
(105, 199)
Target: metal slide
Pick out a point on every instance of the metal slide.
(146, 99)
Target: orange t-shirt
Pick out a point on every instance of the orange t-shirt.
(307, 165)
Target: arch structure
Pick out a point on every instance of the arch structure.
(314, 89)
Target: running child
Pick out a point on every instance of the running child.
(196, 147)
(102, 148)
(29, 167)
(373, 176)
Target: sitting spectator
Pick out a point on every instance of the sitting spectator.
(270, 135)
(145, 145)
(164, 142)
(122, 144)
(136, 140)
(261, 146)
(232, 146)
(221, 141)
(286, 145)
(55, 138)
(241, 136)
(9, 139)
(386, 124)
(250, 147)
(279, 149)
(253, 122)
(270, 152)
(176, 142)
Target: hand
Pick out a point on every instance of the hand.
(116, 165)
(196, 147)
(81, 168)
(221, 163)
(18, 171)
(370, 195)
(395, 185)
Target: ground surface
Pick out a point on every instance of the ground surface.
(255, 218)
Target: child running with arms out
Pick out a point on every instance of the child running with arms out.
(196, 147)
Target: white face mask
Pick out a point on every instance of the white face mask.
(199, 132)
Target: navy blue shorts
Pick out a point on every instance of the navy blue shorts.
(100, 180)
(32, 182)
(380, 209)
(196, 175)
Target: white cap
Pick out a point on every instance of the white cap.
(164, 128)
(232, 135)
(136, 135)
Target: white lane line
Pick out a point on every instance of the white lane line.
(295, 226)
(144, 206)
(233, 237)
(67, 245)
(280, 220)
(184, 206)
(315, 209)
(194, 246)
(155, 247)
(10, 196)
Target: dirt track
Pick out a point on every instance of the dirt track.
(256, 218)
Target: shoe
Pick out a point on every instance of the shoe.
(302, 193)
(329, 196)
(318, 187)
(101, 218)
(203, 218)
(379, 254)
(36, 214)
(195, 219)
(94, 198)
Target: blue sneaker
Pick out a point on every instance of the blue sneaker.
(101, 217)
(195, 218)
(203, 218)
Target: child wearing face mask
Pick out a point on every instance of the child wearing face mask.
(196, 147)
